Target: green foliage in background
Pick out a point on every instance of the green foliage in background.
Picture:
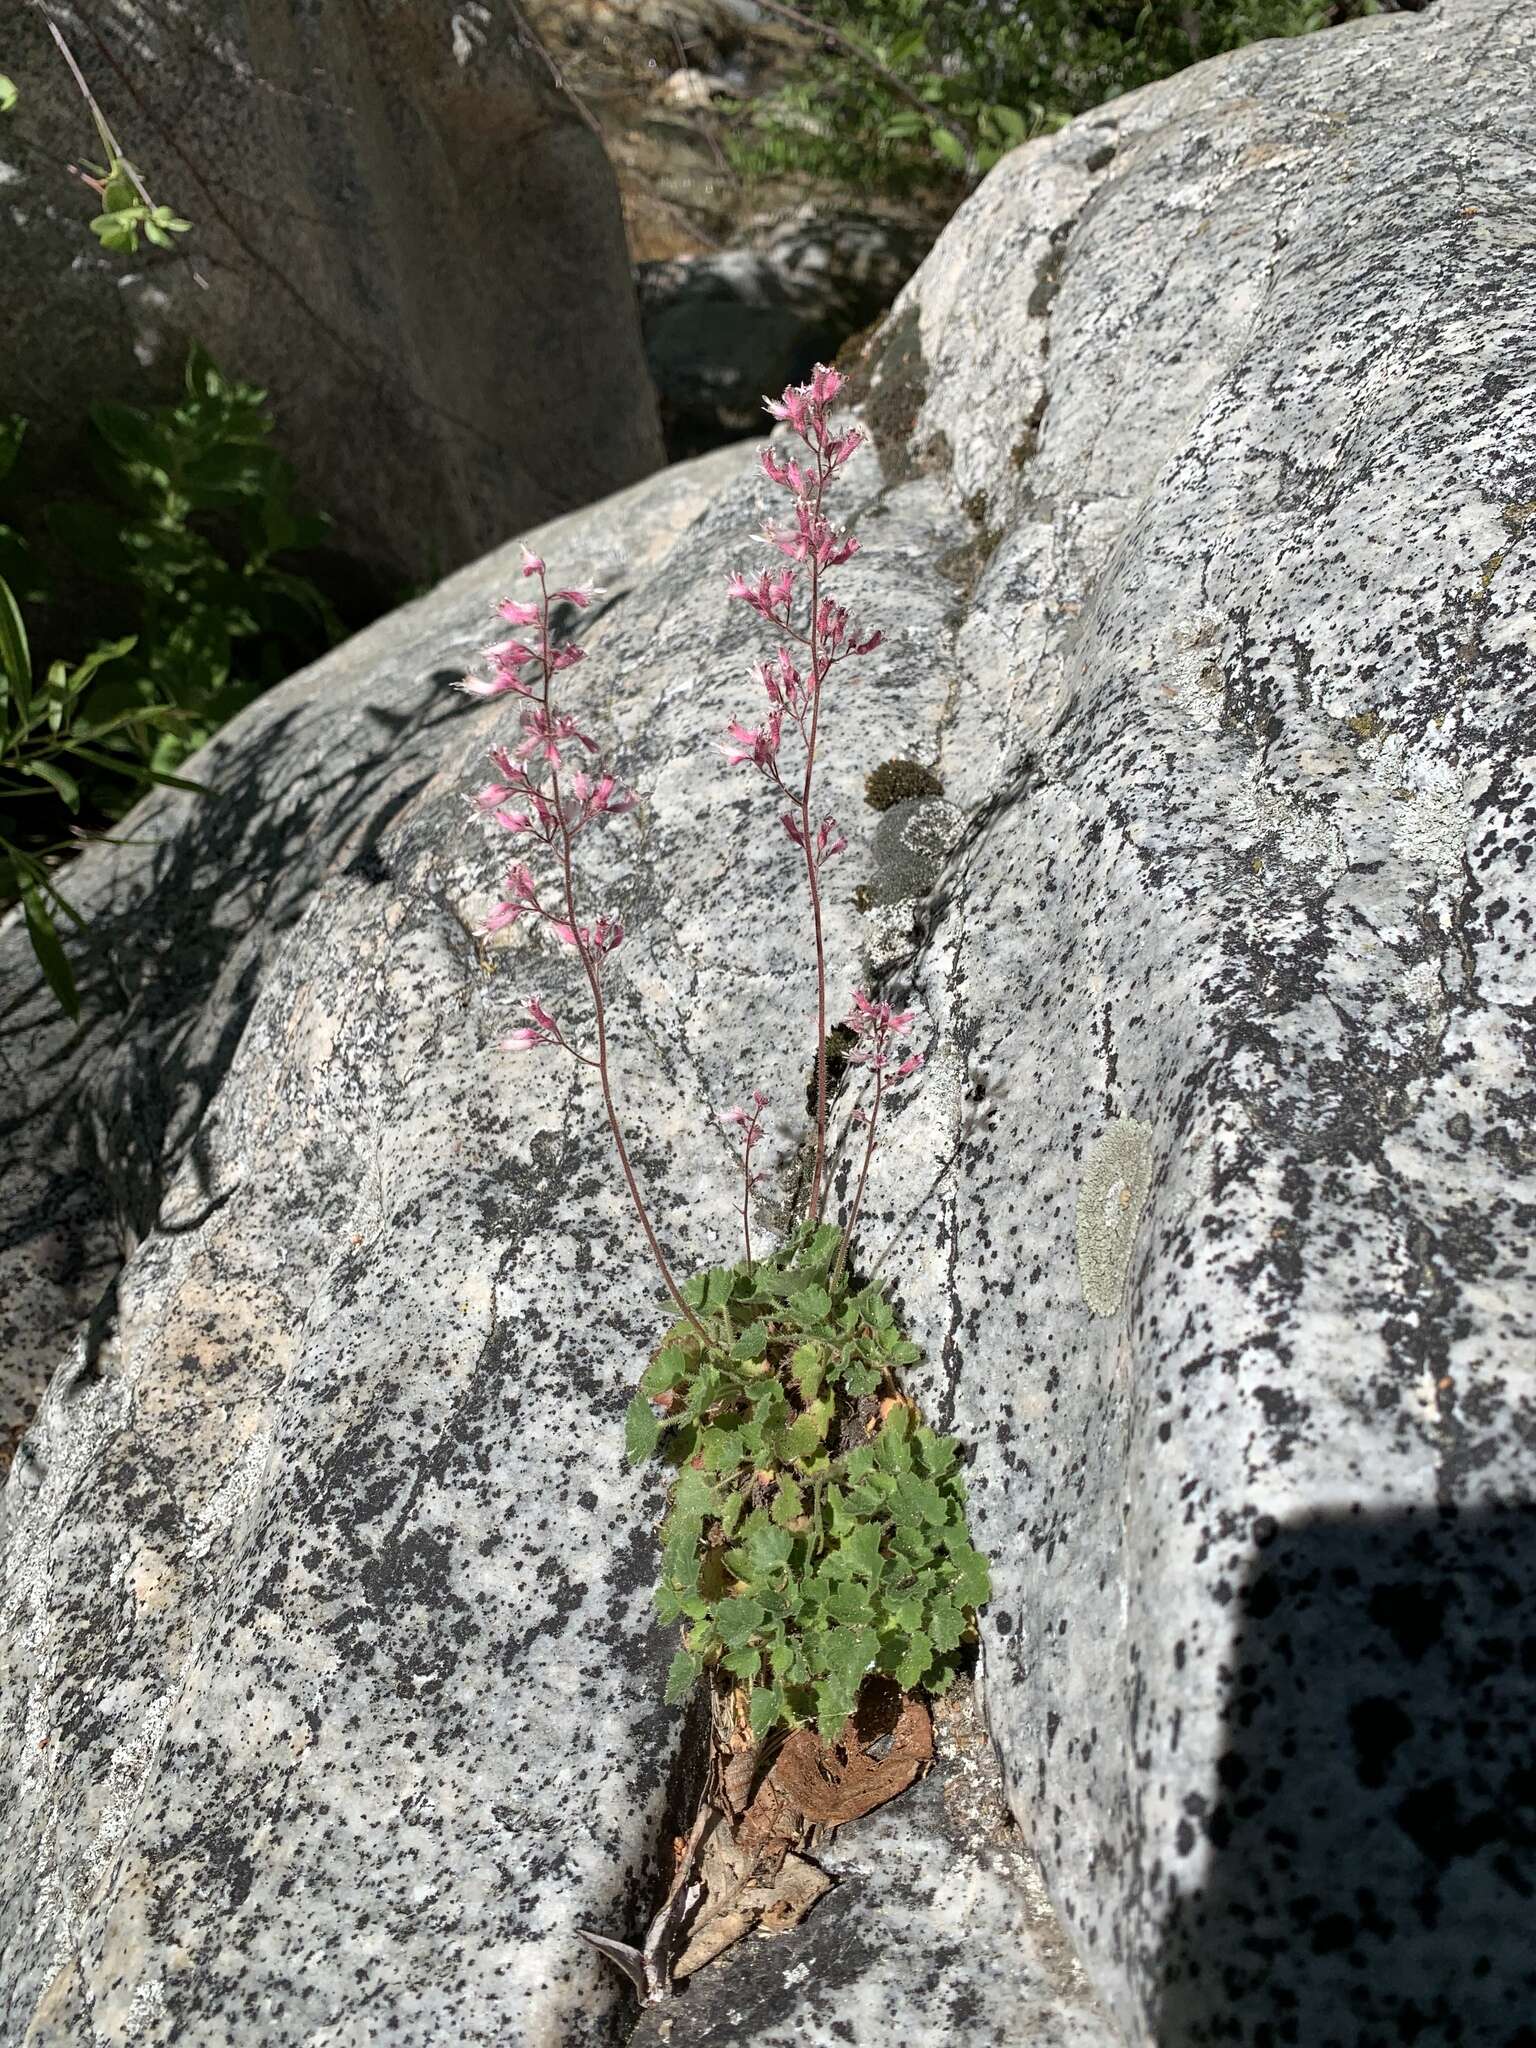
(199, 561)
(935, 91)
(816, 1530)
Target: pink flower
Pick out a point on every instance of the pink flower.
(876, 1026)
(545, 733)
(522, 900)
(518, 614)
(825, 384)
(597, 799)
(533, 564)
(493, 686)
(580, 598)
(813, 538)
(789, 474)
(829, 841)
(759, 745)
(749, 1121)
(543, 1030)
(566, 657)
(770, 595)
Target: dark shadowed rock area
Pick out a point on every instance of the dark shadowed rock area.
(1201, 518)
(402, 231)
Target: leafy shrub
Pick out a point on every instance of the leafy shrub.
(193, 557)
(817, 1530)
(919, 93)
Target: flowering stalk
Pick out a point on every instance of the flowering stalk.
(876, 1028)
(824, 633)
(538, 808)
(751, 1124)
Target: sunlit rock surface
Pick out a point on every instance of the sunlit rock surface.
(1202, 525)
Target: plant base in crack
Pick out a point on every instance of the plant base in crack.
(816, 1530)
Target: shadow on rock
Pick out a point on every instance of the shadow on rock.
(1372, 1833)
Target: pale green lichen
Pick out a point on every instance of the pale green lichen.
(1109, 1205)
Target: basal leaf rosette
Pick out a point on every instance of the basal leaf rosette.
(816, 1530)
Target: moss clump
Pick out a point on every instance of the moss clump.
(899, 782)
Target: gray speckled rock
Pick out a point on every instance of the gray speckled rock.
(1243, 706)
(1203, 533)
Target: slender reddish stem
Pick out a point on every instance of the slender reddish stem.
(746, 1202)
(595, 984)
(858, 1195)
(813, 641)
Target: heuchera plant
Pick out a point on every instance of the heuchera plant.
(816, 1530)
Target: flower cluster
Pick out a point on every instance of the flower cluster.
(512, 660)
(750, 1124)
(876, 1027)
(817, 634)
(540, 795)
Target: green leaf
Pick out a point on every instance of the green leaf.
(752, 1343)
(51, 773)
(744, 1663)
(822, 1245)
(50, 953)
(641, 1430)
(946, 1626)
(947, 145)
(850, 1603)
(811, 1305)
(857, 1378)
(738, 1618)
(116, 232)
(669, 1603)
(893, 1447)
(788, 1503)
(906, 1613)
(847, 1653)
(15, 655)
(802, 1440)
(807, 1367)
(723, 1448)
(769, 1548)
(668, 1369)
(686, 1668)
(938, 1453)
(765, 1709)
(915, 1660)
(692, 1494)
(858, 1555)
(971, 1582)
(8, 94)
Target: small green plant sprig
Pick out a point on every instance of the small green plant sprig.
(196, 555)
(127, 210)
(817, 1531)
